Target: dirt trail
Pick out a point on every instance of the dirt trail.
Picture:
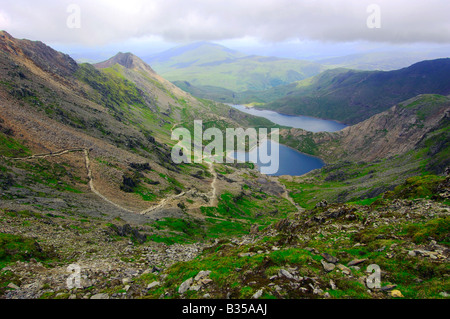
(291, 200)
(91, 183)
(88, 169)
(211, 195)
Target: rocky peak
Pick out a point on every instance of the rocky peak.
(127, 60)
(39, 53)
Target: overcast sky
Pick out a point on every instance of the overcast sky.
(93, 24)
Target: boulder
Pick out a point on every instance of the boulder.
(185, 286)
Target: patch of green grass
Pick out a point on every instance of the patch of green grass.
(349, 289)
(17, 248)
(145, 193)
(439, 229)
(366, 202)
(188, 231)
(10, 147)
(416, 187)
(50, 174)
(292, 256)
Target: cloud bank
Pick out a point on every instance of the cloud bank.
(103, 22)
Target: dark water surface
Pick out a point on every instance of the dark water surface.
(289, 161)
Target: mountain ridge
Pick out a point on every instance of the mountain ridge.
(216, 65)
(351, 96)
(86, 178)
(391, 133)
(127, 60)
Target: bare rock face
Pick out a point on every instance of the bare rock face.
(42, 55)
(127, 60)
(393, 132)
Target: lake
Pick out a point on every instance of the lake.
(304, 122)
(289, 161)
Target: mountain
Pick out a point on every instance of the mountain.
(120, 111)
(384, 61)
(215, 66)
(365, 160)
(127, 60)
(393, 132)
(352, 96)
(87, 182)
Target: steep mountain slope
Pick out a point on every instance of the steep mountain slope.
(387, 134)
(121, 116)
(206, 64)
(86, 178)
(372, 157)
(352, 96)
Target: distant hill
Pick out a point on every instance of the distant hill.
(213, 65)
(352, 96)
(384, 61)
(413, 135)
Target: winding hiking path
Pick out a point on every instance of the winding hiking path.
(88, 169)
(211, 195)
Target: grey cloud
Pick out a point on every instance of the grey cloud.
(103, 22)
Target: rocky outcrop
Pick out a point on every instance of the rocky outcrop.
(390, 133)
(48, 59)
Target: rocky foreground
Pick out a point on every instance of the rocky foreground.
(328, 252)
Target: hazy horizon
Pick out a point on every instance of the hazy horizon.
(308, 29)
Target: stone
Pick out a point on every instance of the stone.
(153, 285)
(323, 203)
(202, 274)
(13, 286)
(195, 287)
(329, 258)
(328, 266)
(344, 269)
(396, 294)
(185, 286)
(205, 282)
(332, 285)
(285, 273)
(100, 296)
(355, 262)
(258, 294)
(388, 287)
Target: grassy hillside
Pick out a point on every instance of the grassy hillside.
(352, 96)
(212, 65)
(86, 178)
